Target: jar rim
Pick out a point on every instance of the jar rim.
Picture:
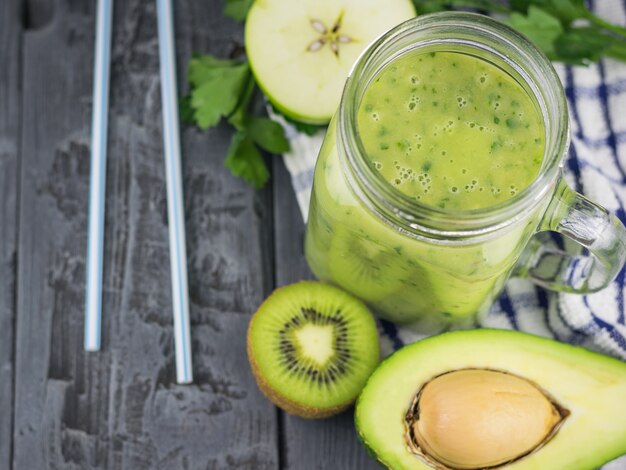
(519, 53)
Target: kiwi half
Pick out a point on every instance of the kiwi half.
(312, 347)
(362, 265)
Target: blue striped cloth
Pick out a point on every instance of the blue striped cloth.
(596, 167)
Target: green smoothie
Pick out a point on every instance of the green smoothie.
(454, 132)
(451, 130)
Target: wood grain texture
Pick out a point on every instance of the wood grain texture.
(10, 101)
(37, 14)
(121, 408)
(306, 444)
(291, 266)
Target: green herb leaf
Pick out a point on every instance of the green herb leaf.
(204, 67)
(580, 46)
(237, 9)
(268, 135)
(245, 160)
(520, 5)
(617, 51)
(225, 88)
(539, 26)
(308, 129)
(240, 114)
(218, 95)
(430, 6)
(566, 10)
(186, 112)
(555, 26)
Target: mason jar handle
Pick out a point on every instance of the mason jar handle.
(586, 223)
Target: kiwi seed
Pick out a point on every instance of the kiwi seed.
(368, 268)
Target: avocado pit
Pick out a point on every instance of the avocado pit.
(480, 418)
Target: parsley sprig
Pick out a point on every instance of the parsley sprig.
(565, 30)
(224, 89)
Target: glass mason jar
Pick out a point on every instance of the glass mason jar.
(423, 265)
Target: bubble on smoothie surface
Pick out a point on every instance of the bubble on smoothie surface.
(413, 102)
(452, 128)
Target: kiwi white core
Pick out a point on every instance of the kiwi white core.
(316, 342)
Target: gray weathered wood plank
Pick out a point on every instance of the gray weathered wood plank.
(120, 408)
(308, 444)
(10, 102)
(291, 266)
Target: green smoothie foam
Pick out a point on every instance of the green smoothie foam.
(451, 130)
(454, 132)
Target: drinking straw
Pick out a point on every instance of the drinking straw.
(93, 297)
(171, 143)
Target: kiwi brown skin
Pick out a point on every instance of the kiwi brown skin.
(284, 403)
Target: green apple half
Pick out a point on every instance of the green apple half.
(301, 51)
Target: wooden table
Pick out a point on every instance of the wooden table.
(61, 408)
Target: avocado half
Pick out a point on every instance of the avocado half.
(494, 399)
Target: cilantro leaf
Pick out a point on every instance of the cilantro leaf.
(430, 6)
(237, 9)
(225, 88)
(308, 129)
(617, 51)
(243, 159)
(555, 26)
(185, 110)
(219, 94)
(203, 67)
(547, 22)
(580, 46)
(268, 135)
(539, 26)
(566, 10)
(239, 116)
(520, 5)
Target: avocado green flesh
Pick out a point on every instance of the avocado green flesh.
(591, 386)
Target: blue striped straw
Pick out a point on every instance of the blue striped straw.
(93, 298)
(173, 172)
